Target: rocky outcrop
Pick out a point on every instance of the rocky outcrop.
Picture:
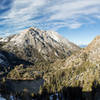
(93, 50)
(85, 66)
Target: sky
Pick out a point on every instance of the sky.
(76, 20)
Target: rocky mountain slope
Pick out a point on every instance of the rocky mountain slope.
(34, 45)
(81, 69)
(91, 53)
(30, 55)
(93, 50)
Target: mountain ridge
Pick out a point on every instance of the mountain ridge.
(77, 68)
(48, 45)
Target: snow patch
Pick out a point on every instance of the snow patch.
(54, 35)
(4, 40)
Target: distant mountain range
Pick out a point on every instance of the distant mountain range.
(82, 46)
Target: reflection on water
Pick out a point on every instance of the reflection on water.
(15, 89)
(1, 98)
(50, 97)
(22, 90)
(7, 97)
(12, 97)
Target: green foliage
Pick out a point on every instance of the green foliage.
(80, 76)
(21, 73)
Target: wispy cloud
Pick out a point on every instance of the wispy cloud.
(74, 8)
(47, 14)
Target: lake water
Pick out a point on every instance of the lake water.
(50, 97)
(15, 89)
(1, 98)
(11, 97)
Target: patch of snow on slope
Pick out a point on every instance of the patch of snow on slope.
(54, 35)
(4, 40)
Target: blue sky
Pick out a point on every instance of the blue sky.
(77, 20)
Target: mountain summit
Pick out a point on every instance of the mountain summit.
(35, 45)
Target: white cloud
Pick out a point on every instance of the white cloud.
(52, 14)
(75, 25)
(68, 10)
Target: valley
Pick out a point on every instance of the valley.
(43, 64)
